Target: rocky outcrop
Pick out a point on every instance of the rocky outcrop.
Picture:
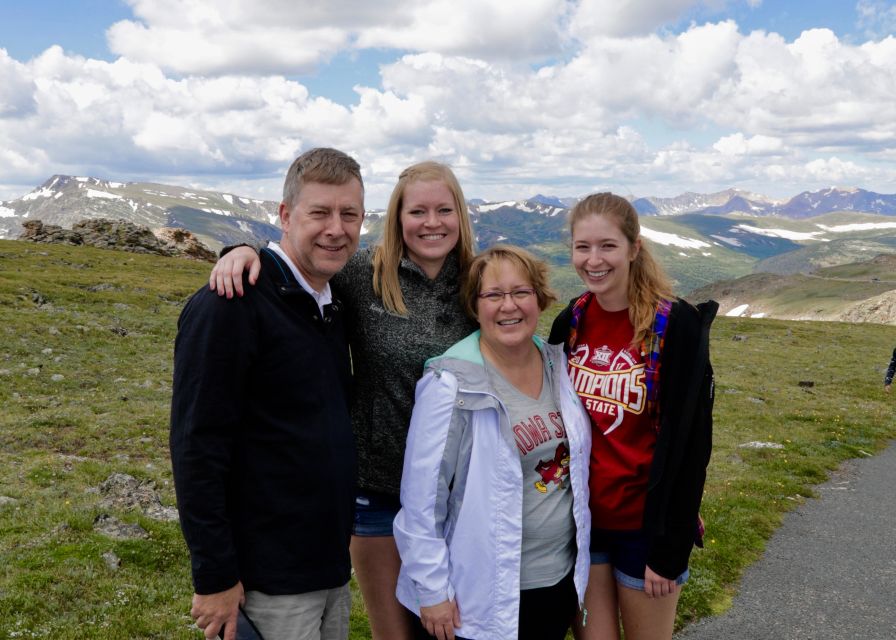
(879, 309)
(121, 235)
(37, 231)
(184, 243)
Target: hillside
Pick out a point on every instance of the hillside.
(858, 292)
(89, 542)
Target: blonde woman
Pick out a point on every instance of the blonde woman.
(401, 308)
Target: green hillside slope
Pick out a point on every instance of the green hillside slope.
(830, 293)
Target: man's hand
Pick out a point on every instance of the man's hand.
(441, 619)
(227, 275)
(215, 610)
(887, 388)
(656, 586)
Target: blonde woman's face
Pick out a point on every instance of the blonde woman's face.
(430, 224)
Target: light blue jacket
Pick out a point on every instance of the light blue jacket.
(459, 530)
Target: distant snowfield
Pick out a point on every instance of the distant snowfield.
(734, 242)
(672, 240)
(93, 193)
(42, 193)
(818, 236)
(787, 234)
(740, 311)
(6, 213)
(495, 205)
(858, 226)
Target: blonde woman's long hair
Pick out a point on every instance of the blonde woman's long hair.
(647, 281)
(389, 251)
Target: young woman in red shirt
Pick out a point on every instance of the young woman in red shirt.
(639, 361)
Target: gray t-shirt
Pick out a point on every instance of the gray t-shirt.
(536, 428)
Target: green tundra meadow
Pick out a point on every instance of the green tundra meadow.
(85, 384)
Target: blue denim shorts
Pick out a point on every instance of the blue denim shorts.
(374, 513)
(626, 552)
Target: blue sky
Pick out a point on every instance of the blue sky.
(562, 97)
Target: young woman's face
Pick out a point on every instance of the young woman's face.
(430, 224)
(602, 256)
(508, 321)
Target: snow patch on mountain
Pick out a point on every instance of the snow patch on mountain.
(787, 234)
(6, 213)
(93, 193)
(494, 206)
(734, 242)
(672, 240)
(40, 193)
(859, 226)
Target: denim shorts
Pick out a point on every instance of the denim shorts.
(626, 552)
(374, 513)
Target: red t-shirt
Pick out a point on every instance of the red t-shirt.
(608, 376)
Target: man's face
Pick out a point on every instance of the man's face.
(321, 231)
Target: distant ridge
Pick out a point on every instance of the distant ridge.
(804, 205)
(699, 238)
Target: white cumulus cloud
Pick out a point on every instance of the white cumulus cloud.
(551, 96)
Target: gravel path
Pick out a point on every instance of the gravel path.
(829, 572)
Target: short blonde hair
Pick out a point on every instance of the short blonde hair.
(536, 271)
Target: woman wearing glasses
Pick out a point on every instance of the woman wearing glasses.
(494, 523)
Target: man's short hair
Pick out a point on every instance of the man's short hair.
(321, 164)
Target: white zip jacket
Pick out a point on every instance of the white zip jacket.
(459, 530)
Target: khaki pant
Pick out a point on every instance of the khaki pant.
(318, 615)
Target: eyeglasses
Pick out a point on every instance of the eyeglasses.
(517, 295)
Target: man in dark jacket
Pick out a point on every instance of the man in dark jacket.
(261, 440)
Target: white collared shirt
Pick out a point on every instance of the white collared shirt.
(324, 297)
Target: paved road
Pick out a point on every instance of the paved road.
(829, 572)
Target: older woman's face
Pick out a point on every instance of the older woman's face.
(507, 321)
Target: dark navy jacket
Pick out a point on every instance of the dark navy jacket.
(684, 442)
(261, 441)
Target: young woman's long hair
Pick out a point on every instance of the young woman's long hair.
(647, 282)
(389, 251)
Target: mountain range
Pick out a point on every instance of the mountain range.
(804, 205)
(699, 238)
